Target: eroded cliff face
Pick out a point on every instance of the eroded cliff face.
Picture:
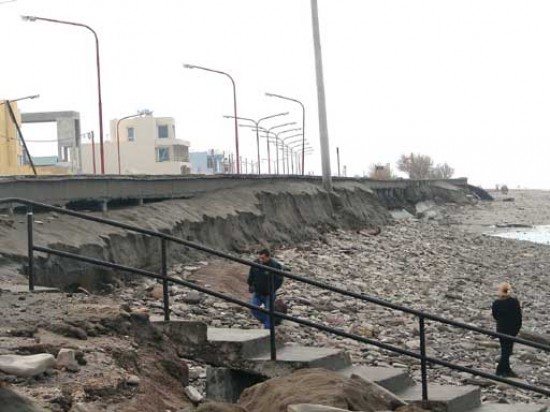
(235, 220)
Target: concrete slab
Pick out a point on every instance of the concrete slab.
(447, 397)
(235, 335)
(290, 358)
(244, 343)
(20, 289)
(500, 407)
(393, 379)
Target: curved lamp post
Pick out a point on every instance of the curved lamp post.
(257, 124)
(278, 96)
(138, 114)
(283, 144)
(98, 69)
(192, 66)
(295, 145)
(276, 135)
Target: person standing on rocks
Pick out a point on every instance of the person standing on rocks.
(507, 313)
(259, 284)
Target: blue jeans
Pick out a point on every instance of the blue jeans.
(261, 300)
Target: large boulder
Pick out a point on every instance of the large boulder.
(12, 402)
(26, 366)
(318, 387)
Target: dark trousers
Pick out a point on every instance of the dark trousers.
(506, 349)
(265, 301)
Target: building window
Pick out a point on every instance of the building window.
(163, 132)
(131, 134)
(163, 154)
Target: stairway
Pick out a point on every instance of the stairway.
(238, 353)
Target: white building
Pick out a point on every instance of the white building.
(146, 145)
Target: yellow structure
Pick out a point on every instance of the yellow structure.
(11, 151)
(11, 160)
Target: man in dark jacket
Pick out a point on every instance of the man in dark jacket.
(507, 313)
(259, 284)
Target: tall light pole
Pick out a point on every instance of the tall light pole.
(235, 116)
(286, 144)
(338, 160)
(98, 69)
(323, 124)
(303, 117)
(138, 114)
(290, 147)
(270, 132)
(257, 124)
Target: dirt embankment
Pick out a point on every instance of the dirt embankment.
(279, 214)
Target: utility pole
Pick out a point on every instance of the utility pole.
(338, 160)
(323, 125)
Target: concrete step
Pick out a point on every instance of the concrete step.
(23, 289)
(246, 343)
(393, 379)
(518, 407)
(446, 398)
(291, 358)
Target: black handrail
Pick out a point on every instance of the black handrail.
(271, 312)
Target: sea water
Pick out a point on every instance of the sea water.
(536, 234)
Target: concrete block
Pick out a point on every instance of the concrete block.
(291, 358)
(26, 366)
(447, 398)
(518, 407)
(193, 333)
(392, 379)
(226, 385)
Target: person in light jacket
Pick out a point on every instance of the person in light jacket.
(508, 316)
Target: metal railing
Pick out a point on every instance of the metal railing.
(164, 238)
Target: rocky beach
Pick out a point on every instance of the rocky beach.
(446, 265)
(445, 261)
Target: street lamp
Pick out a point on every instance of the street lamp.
(98, 68)
(138, 114)
(285, 143)
(31, 97)
(257, 124)
(278, 96)
(270, 132)
(277, 139)
(192, 66)
(290, 148)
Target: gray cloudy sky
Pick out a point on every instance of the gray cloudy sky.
(467, 82)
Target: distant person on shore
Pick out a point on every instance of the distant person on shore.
(259, 284)
(507, 313)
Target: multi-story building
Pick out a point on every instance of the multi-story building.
(145, 145)
(210, 162)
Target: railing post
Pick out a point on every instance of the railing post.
(272, 337)
(30, 247)
(164, 273)
(423, 363)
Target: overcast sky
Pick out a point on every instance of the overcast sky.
(467, 82)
